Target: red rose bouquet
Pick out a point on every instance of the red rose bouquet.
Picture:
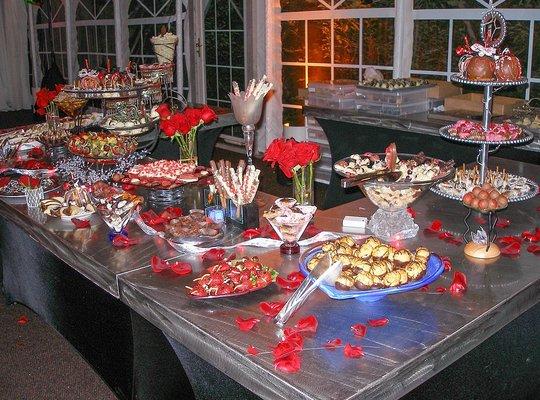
(182, 127)
(44, 97)
(296, 160)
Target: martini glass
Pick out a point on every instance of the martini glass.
(72, 107)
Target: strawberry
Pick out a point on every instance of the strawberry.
(224, 289)
(198, 291)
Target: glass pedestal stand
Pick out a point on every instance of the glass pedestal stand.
(392, 225)
(249, 135)
(487, 248)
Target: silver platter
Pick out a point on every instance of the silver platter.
(528, 137)
(529, 195)
(127, 131)
(107, 93)
(461, 79)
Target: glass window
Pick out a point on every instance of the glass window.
(346, 41)
(302, 5)
(56, 38)
(430, 49)
(378, 41)
(366, 4)
(293, 41)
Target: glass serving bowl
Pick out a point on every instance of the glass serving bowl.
(392, 221)
(289, 220)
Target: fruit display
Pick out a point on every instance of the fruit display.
(195, 225)
(232, 278)
(466, 179)
(466, 129)
(101, 145)
(372, 264)
(391, 84)
(162, 174)
(74, 204)
(485, 199)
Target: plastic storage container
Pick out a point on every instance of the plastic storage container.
(395, 102)
(336, 95)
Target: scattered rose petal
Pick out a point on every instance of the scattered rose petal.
(268, 232)
(246, 324)
(4, 181)
(375, 323)
(80, 223)
(435, 226)
(332, 344)
(359, 330)
(123, 241)
(533, 248)
(440, 289)
(411, 212)
(509, 240)
(181, 268)
(151, 218)
(294, 337)
(252, 350)
(459, 283)
(307, 324)
(530, 236)
(513, 249)
(251, 233)
(287, 284)
(23, 320)
(289, 364)
(351, 351)
(214, 255)
(296, 276)
(424, 288)
(447, 263)
(284, 348)
(502, 223)
(158, 265)
(312, 230)
(271, 308)
(480, 220)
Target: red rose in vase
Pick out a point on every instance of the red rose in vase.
(208, 115)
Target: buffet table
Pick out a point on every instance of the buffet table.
(427, 330)
(357, 132)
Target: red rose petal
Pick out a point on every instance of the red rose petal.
(359, 330)
(533, 248)
(158, 265)
(286, 284)
(213, 255)
(435, 226)
(307, 324)
(296, 276)
(530, 236)
(251, 350)
(4, 181)
(312, 230)
(171, 213)
(284, 348)
(440, 289)
(289, 364)
(123, 241)
(332, 344)
(411, 212)
(378, 322)
(23, 320)
(181, 268)
(509, 240)
(503, 223)
(447, 263)
(294, 337)
(271, 308)
(459, 283)
(424, 288)
(152, 219)
(251, 233)
(513, 249)
(351, 351)
(246, 324)
(80, 223)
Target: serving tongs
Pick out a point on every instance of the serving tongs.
(324, 270)
(355, 180)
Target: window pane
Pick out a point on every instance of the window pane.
(536, 51)
(238, 75)
(236, 14)
(519, 4)
(319, 41)
(430, 48)
(346, 73)
(210, 43)
(346, 41)
(222, 14)
(293, 79)
(471, 29)
(210, 16)
(293, 41)
(319, 74)
(224, 51)
(367, 4)
(517, 39)
(378, 41)
(433, 4)
(301, 5)
(224, 82)
(211, 82)
(237, 49)
(293, 116)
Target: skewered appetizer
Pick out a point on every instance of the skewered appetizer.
(372, 264)
(466, 129)
(101, 145)
(392, 84)
(238, 276)
(466, 179)
(239, 185)
(485, 199)
(196, 224)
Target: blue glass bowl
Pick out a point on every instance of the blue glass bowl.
(435, 268)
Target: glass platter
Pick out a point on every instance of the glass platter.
(435, 268)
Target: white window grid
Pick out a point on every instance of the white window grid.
(451, 15)
(334, 13)
(232, 8)
(58, 37)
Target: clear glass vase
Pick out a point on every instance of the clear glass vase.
(188, 147)
(34, 196)
(303, 185)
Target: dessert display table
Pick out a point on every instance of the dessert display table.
(99, 309)
(355, 132)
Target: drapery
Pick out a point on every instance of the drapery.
(15, 93)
